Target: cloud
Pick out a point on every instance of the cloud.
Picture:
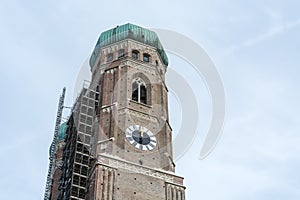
(272, 32)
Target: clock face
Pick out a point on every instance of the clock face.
(141, 137)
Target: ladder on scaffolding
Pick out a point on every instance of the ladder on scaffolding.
(53, 147)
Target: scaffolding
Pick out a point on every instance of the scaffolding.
(53, 148)
(76, 154)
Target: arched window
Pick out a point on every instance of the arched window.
(146, 57)
(110, 57)
(121, 53)
(139, 91)
(135, 54)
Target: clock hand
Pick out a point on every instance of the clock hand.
(141, 132)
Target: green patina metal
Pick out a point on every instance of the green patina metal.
(62, 132)
(129, 31)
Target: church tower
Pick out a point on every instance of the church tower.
(131, 140)
(117, 142)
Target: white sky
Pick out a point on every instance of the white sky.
(254, 44)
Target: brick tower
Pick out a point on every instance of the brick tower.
(118, 141)
(132, 137)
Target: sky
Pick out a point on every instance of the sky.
(253, 44)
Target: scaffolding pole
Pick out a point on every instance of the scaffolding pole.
(53, 147)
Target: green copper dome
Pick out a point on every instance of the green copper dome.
(129, 31)
(62, 132)
(61, 135)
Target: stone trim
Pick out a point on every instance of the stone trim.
(132, 167)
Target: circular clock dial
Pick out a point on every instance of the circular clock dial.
(141, 137)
